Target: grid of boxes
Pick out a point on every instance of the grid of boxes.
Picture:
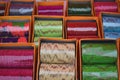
(59, 39)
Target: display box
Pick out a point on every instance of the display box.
(51, 8)
(82, 27)
(79, 8)
(47, 26)
(105, 6)
(110, 25)
(15, 28)
(15, 8)
(20, 62)
(118, 5)
(54, 41)
(3, 8)
(98, 58)
(118, 46)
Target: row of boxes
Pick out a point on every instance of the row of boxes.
(62, 8)
(112, 55)
(30, 29)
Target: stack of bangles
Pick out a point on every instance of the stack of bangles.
(51, 10)
(82, 29)
(111, 26)
(14, 31)
(105, 7)
(20, 9)
(77, 9)
(16, 62)
(2, 9)
(57, 61)
(99, 60)
(47, 28)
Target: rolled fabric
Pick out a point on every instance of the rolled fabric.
(50, 10)
(56, 72)
(57, 53)
(100, 72)
(99, 52)
(16, 58)
(16, 74)
(74, 9)
(81, 28)
(47, 29)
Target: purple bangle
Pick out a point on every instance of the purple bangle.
(11, 39)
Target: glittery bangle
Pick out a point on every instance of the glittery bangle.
(13, 74)
(57, 71)
(93, 53)
(47, 29)
(91, 72)
(50, 52)
(23, 58)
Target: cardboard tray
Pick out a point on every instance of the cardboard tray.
(55, 39)
(19, 18)
(50, 3)
(117, 47)
(25, 44)
(47, 17)
(82, 18)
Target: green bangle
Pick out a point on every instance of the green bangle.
(98, 72)
(93, 53)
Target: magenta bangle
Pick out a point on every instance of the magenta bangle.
(22, 59)
(16, 72)
(50, 7)
(80, 37)
(55, 13)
